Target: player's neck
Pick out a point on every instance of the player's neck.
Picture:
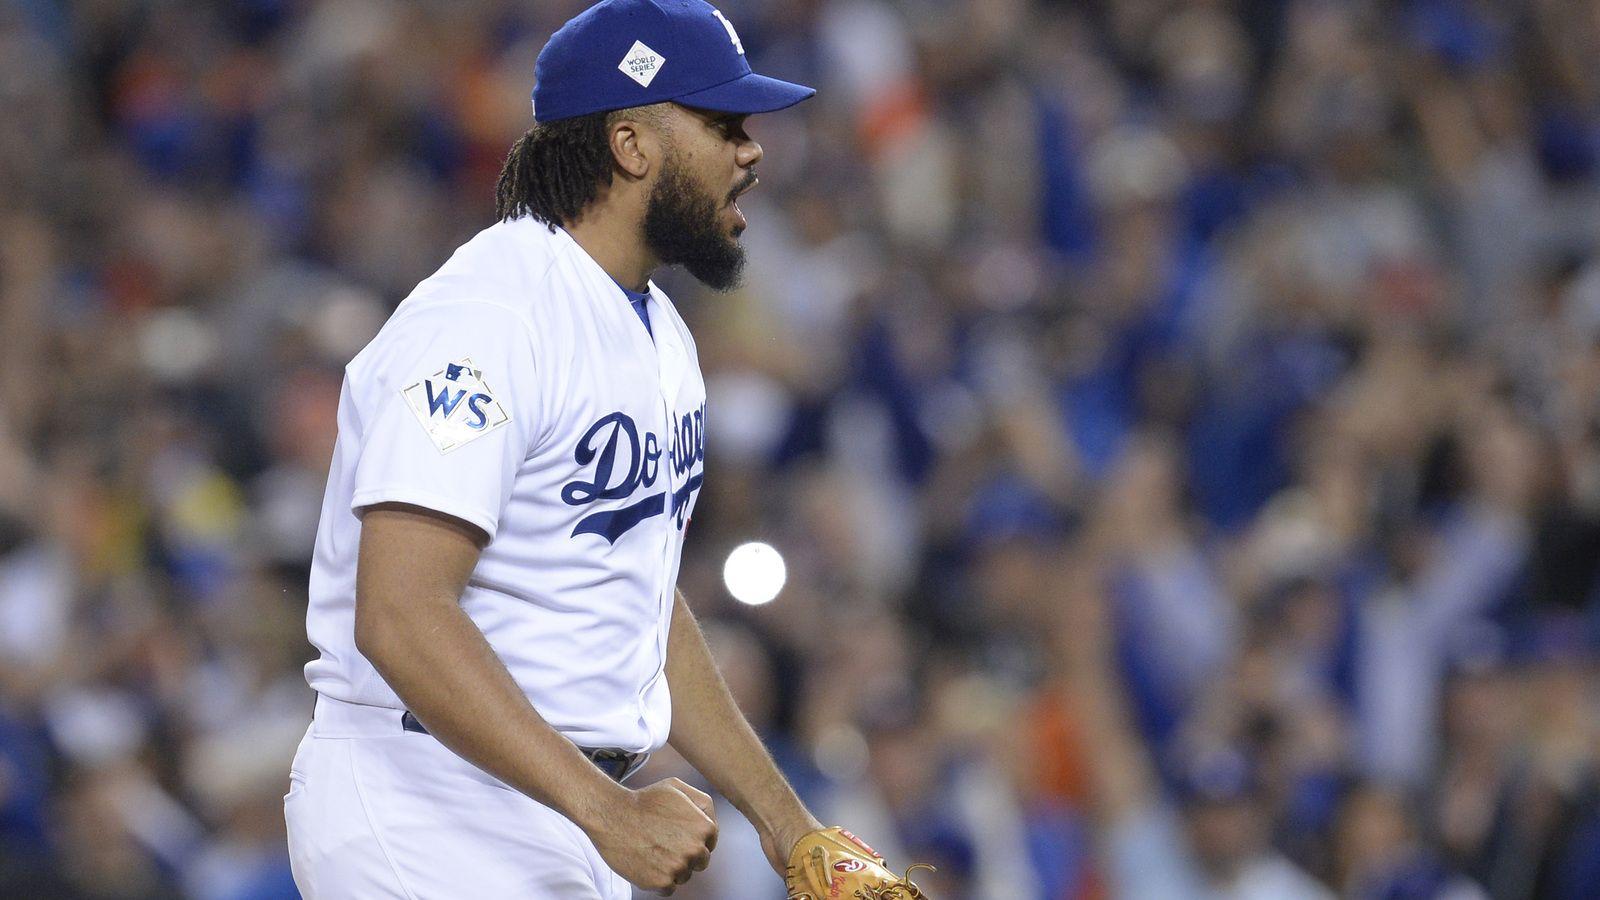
(617, 245)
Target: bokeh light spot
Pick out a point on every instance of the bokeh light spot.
(754, 573)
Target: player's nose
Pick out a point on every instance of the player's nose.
(749, 153)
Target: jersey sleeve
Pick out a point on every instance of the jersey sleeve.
(454, 411)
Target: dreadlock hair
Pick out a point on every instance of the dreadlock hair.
(557, 168)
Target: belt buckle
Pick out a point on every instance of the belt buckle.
(618, 764)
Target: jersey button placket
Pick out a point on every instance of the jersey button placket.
(667, 366)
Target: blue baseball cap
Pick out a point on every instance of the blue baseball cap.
(622, 53)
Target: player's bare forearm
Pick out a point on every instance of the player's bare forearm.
(713, 736)
(410, 625)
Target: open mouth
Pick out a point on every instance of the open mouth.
(744, 187)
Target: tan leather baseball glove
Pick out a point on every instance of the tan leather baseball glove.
(833, 864)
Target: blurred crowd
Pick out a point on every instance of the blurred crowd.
(1181, 419)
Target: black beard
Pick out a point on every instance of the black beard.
(681, 228)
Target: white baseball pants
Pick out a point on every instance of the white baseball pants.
(378, 812)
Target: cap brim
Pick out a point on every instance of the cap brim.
(748, 94)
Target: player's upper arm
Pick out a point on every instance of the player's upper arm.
(453, 410)
(408, 556)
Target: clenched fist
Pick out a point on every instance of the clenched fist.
(657, 836)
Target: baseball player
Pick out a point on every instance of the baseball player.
(520, 449)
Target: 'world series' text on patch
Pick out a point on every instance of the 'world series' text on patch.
(455, 405)
(641, 64)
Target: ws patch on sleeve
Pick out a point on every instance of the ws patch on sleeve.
(455, 406)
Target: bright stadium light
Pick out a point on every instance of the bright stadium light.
(754, 573)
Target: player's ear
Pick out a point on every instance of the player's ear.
(635, 145)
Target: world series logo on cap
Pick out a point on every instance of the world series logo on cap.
(641, 63)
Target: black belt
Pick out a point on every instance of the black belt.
(617, 764)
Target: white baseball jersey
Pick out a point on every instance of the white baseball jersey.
(518, 390)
